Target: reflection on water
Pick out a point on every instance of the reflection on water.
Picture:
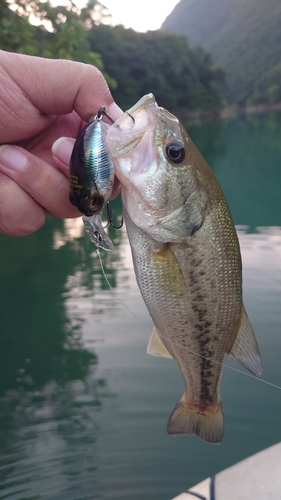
(83, 408)
(50, 391)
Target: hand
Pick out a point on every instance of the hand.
(42, 100)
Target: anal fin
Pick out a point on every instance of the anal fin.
(155, 345)
(245, 348)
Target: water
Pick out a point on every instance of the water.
(83, 408)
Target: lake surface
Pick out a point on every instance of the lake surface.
(83, 408)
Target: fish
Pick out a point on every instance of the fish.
(187, 260)
(92, 178)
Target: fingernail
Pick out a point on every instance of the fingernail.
(114, 111)
(12, 157)
(62, 149)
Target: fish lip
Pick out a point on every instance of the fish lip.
(126, 132)
(144, 101)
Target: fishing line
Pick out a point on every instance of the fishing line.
(178, 345)
(114, 293)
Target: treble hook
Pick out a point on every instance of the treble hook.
(131, 116)
(110, 217)
(102, 113)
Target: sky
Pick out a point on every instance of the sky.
(141, 15)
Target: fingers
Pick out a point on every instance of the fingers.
(30, 187)
(19, 213)
(36, 92)
(93, 93)
(45, 88)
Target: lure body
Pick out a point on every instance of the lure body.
(92, 177)
(91, 169)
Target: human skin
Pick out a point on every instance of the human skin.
(44, 104)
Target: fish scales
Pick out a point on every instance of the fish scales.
(180, 290)
(187, 260)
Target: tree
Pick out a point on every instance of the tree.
(157, 62)
(60, 32)
(16, 33)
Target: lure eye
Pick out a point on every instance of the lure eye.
(175, 152)
(92, 205)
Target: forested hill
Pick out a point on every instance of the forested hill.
(243, 37)
(183, 80)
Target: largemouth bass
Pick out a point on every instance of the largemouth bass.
(187, 260)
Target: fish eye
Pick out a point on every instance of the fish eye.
(175, 152)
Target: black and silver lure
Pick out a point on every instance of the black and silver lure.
(92, 178)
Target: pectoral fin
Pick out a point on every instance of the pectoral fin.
(245, 349)
(155, 345)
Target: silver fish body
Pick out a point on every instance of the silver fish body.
(187, 260)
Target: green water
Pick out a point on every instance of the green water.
(83, 408)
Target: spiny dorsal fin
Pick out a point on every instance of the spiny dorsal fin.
(155, 345)
(245, 349)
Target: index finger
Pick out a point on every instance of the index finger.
(45, 88)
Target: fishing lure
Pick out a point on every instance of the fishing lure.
(92, 178)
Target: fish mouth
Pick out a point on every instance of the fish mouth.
(132, 126)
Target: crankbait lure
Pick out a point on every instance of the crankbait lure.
(91, 168)
(92, 178)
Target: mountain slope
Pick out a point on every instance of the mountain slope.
(243, 37)
(157, 62)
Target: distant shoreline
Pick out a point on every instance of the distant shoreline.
(197, 117)
(258, 108)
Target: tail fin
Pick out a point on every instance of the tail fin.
(207, 423)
